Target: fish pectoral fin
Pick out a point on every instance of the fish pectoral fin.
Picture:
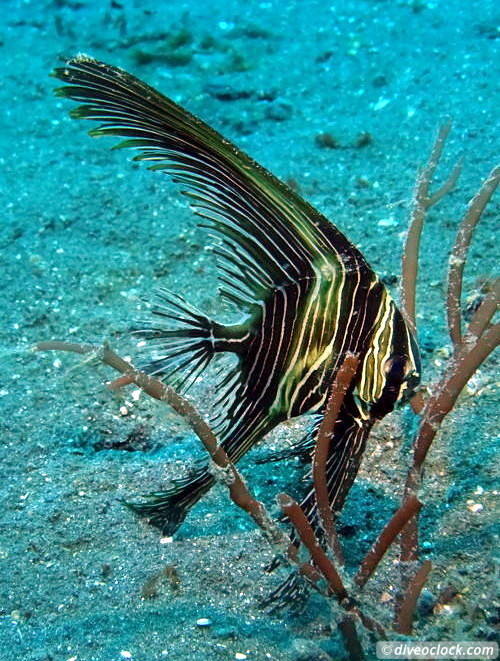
(178, 341)
(233, 337)
(344, 459)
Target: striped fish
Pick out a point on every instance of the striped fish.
(306, 295)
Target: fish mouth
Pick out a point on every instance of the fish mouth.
(409, 388)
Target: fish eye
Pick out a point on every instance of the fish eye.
(394, 367)
(412, 381)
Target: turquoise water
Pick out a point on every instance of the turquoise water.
(342, 101)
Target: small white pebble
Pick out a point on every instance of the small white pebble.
(57, 363)
(123, 410)
(447, 610)
(475, 508)
(135, 395)
(240, 655)
(380, 104)
(125, 654)
(166, 540)
(479, 491)
(387, 222)
(203, 622)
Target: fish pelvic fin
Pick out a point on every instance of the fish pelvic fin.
(180, 340)
(347, 447)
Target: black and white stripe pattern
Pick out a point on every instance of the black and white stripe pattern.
(307, 294)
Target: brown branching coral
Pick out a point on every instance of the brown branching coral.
(470, 349)
(471, 346)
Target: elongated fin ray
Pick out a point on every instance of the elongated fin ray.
(178, 338)
(250, 208)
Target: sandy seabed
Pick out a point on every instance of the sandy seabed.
(341, 100)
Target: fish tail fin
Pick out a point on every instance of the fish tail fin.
(179, 339)
(167, 509)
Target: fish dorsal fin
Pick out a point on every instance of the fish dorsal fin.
(270, 235)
